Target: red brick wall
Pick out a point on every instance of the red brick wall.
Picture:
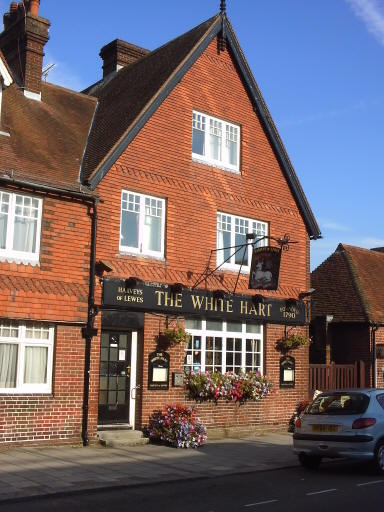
(158, 162)
(56, 290)
(54, 418)
(272, 411)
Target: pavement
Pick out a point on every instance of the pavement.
(32, 472)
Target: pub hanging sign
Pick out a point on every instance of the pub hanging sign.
(265, 268)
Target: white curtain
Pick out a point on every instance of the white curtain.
(8, 365)
(24, 238)
(35, 365)
(152, 233)
(3, 229)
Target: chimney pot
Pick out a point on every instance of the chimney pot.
(34, 7)
(13, 7)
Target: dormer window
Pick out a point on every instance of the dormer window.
(215, 142)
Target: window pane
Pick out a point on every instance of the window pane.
(234, 326)
(152, 233)
(215, 139)
(193, 323)
(8, 365)
(24, 237)
(4, 208)
(253, 328)
(35, 365)
(198, 142)
(231, 144)
(214, 325)
(130, 229)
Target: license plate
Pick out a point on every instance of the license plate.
(325, 428)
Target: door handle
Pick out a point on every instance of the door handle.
(133, 395)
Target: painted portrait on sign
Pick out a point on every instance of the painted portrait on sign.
(265, 268)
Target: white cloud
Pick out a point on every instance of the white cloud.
(325, 115)
(333, 226)
(371, 12)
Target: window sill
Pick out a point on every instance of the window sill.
(140, 255)
(216, 165)
(234, 269)
(34, 394)
(20, 261)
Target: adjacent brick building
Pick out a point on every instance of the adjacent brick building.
(348, 310)
(186, 161)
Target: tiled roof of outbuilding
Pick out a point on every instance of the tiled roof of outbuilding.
(47, 138)
(350, 285)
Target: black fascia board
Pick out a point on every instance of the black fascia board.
(310, 221)
(144, 118)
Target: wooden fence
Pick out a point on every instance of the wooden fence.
(336, 376)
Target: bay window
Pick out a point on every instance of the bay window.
(26, 353)
(215, 141)
(231, 232)
(20, 224)
(142, 224)
(222, 346)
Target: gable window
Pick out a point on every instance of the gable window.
(215, 141)
(142, 224)
(231, 232)
(20, 224)
(26, 353)
(218, 346)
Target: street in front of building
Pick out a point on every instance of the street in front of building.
(335, 486)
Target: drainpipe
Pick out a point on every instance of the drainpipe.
(374, 328)
(89, 331)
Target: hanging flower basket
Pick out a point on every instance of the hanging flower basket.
(174, 334)
(292, 341)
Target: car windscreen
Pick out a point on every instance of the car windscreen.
(339, 403)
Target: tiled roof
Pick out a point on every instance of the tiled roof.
(350, 285)
(47, 138)
(123, 98)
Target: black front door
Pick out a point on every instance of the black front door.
(114, 377)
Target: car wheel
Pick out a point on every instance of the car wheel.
(309, 461)
(379, 457)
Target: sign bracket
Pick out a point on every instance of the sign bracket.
(251, 240)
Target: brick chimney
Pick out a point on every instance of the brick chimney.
(118, 54)
(22, 42)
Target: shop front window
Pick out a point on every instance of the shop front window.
(219, 346)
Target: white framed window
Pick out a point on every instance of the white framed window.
(20, 226)
(231, 232)
(142, 224)
(223, 346)
(215, 142)
(26, 357)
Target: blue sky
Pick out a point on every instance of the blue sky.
(319, 65)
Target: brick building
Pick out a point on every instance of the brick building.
(348, 310)
(157, 171)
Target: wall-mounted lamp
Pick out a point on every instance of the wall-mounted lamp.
(218, 294)
(101, 267)
(177, 287)
(258, 299)
(131, 282)
(307, 293)
(328, 318)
